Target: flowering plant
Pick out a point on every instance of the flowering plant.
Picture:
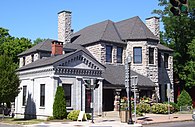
(123, 103)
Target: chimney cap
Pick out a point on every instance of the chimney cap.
(55, 41)
(152, 17)
(64, 11)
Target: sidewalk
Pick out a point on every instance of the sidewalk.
(111, 119)
(160, 118)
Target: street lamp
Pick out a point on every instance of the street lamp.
(130, 121)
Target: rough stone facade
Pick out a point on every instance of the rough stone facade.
(157, 75)
(153, 24)
(98, 50)
(64, 26)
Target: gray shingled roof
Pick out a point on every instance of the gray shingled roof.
(164, 48)
(103, 31)
(42, 46)
(134, 29)
(44, 62)
(114, 76)
(130, 29)
(53, 59)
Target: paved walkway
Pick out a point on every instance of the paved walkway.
(159, 118)
(111, 119)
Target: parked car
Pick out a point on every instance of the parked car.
(193, 115)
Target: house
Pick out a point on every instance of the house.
(98, 52)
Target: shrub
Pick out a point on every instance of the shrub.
(159, 108)
(59, 106)
(73, 115)
(174, 105)
(88, 116)
(143, 107)
(50, 118)
(184, 99)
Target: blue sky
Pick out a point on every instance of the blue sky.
(38, 18)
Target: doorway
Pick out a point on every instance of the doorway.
(87, 100)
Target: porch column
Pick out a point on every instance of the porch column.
(79, 94)
(98, 93)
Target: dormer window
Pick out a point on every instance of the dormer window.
(109, 53)
(23, 64)
(32, 58)
(119, 54)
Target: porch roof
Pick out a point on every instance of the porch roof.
(114, 76)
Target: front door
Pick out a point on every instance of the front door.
(87, 100)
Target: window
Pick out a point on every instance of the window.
(159, 59)
(42, 95)
(109, 54)
(24, 95)
(166, 58)
(151, 55)
(23, 61)
(137, 55)
(119, 54)
(32, 58)
(67, 93)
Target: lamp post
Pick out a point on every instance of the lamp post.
(92, 84)
(130, 121)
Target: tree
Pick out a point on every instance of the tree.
(184, 99)
(178, 35)
(9, 81)
(3, 35)
(59, 106)
(38, 40)
(13, 46)
(189, 68)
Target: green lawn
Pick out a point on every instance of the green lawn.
(21, 121)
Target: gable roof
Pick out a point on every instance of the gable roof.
(115, 77)
(134, 29)
(42, 46)
(103, 31)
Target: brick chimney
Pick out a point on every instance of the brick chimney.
(153, 24)
(57, 48)
(64, 26)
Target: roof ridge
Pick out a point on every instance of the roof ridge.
(105, 29)
(44, 42)
(144, 29)
(127, 19)
(117, 31)
(134, 25)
